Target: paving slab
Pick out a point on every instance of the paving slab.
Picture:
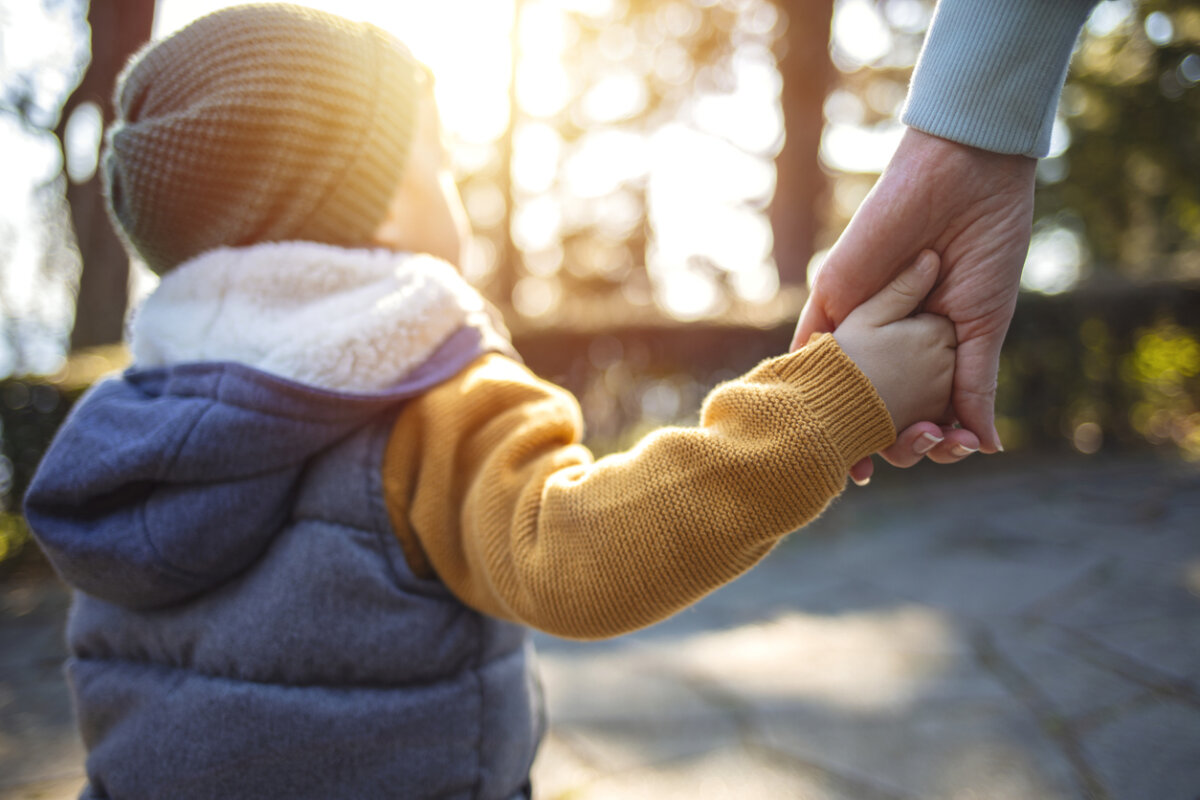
(35, 708)
(1072, 686)
(40, 753)
(53, 789)
(1150, 752)
(561, 771)
(977, 585)
(621, 711)
(939, 750)
(734, 774)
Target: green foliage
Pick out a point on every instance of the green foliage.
(30, 412)
(31, 409)
(1103, 369)
(14, 535)
(1132, 107)
(1164, 366)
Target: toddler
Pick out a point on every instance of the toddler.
(310, 527)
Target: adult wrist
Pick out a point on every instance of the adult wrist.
(942, 174)
(937, 152)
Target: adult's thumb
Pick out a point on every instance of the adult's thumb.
(904, 294)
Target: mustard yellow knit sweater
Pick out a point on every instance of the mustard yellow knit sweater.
(489, 489)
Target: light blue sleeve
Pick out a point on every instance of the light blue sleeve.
(991, 72)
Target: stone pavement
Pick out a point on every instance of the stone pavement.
(1003, 629)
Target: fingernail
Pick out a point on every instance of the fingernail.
(860, 481)
(926, 443)
(962, 450)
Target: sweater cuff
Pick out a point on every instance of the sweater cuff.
(840, 397)
(991, 72)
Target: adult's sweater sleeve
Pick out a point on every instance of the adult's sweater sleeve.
(991, 72)
(490, 491)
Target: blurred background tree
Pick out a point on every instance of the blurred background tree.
(116, 30)
(106, 35)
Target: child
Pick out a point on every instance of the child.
(310, 526)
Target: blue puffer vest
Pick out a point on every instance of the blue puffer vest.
(246, 625)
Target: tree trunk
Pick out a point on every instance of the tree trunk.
(118, 29)
(807, 73)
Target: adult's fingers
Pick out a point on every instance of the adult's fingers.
(974, 396)
(959, 443)
(913, 443)
(813, 319)
(940, 443)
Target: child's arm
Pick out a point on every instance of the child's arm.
(489, 489)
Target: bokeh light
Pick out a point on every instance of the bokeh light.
(1056, 260)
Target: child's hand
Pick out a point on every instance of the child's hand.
(909, 359)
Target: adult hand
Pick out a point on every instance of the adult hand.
(975, 209)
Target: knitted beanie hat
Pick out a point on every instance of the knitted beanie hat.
(260, 123)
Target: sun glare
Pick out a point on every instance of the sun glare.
(471, 62)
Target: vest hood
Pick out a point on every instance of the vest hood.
(171, 479)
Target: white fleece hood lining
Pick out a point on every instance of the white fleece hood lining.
(346, 320)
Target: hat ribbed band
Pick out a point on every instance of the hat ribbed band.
(260, 123)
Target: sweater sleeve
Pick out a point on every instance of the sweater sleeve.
(991, 72)
(490, 490)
